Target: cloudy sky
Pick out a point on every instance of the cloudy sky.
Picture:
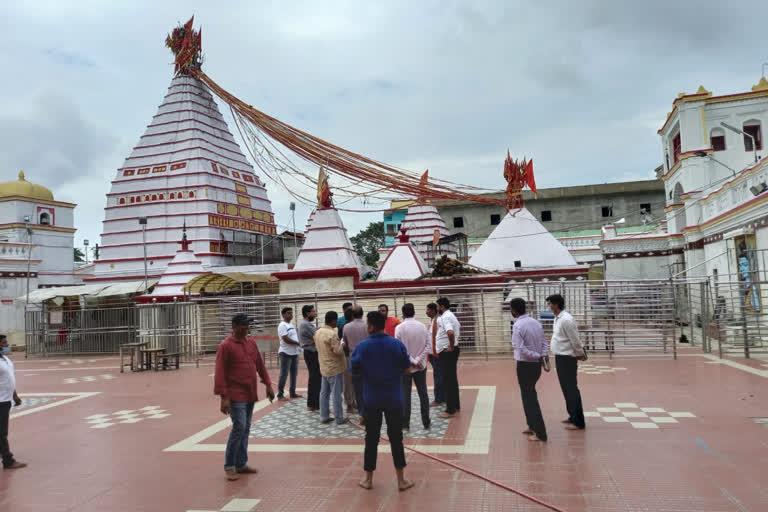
(580, 86)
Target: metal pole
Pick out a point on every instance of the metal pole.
(143, 222)
(689, 289)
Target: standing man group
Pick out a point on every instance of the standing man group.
(531, 353)
(447, 347)
(7, 396)
(238, 364)
(568, 351)
(307, 331)
(415, 336)
(288, 354)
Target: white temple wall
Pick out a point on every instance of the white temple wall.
(647, 267)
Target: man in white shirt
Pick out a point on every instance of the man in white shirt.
(7, 394)
(568, 350)
(447, 346)
(288, 354)
(416, 339)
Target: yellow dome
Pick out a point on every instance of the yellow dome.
(22, 187)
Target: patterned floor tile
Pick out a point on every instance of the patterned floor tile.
(293, 421)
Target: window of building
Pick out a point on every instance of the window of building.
(458, 222)
(645, 207)
(546, 216)
(676, 148)
(495, 219)
(717, 139)
(752, 127)
(607, 211)
(45, 219)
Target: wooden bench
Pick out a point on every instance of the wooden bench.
(149, 356)
(167, 360)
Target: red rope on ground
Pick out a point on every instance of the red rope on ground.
(474, 473)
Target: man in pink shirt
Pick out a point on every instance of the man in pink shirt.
(238, 366)
(415, 337)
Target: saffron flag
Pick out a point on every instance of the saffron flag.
(323, 192)
(435, 238)
(529, 179)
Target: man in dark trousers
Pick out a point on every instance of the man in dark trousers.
(433, 360)
(447, 346)
(238, 366)
(307, 331)
(7, 395)
(530, 347)
(568, 351)
(381, 360)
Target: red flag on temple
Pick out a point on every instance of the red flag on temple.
(529, 179)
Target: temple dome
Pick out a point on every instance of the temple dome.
(22, 187)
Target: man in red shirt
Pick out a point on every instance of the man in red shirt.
(238, 362)
(392, 321)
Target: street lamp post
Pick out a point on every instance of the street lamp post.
(85, 243)
(143, 224)
(27, 220)
(295, 244)
(734, 129)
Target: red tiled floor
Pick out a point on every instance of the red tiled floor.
(716, 460)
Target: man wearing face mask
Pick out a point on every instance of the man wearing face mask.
(7, 394)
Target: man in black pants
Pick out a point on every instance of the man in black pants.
(307, 330)
(447, 345)
(7, 394)
(530, 347)
(381, 360)
(568, 351)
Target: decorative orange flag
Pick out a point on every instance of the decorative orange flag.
(529, 179)
(435, 238)
(323, 191)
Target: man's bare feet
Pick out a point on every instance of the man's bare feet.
(247, 470)
(366, 484)
(568, 420)
(404, 485)
(535, 438)
(571, 426)
(231, 474)
(527, 432)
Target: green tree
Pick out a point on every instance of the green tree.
(79, 256)
(368, 241)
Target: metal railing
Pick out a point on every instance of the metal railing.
(613, 317)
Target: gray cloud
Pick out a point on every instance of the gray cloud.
(579, 86)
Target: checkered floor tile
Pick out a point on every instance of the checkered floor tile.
(152, 412)
(235, 505)
(88, 378)
(293, 421)
(591, 369)
(638, 417)
(28, 403)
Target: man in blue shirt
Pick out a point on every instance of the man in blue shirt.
(381, 360)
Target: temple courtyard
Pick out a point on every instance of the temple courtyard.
(662, 435)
